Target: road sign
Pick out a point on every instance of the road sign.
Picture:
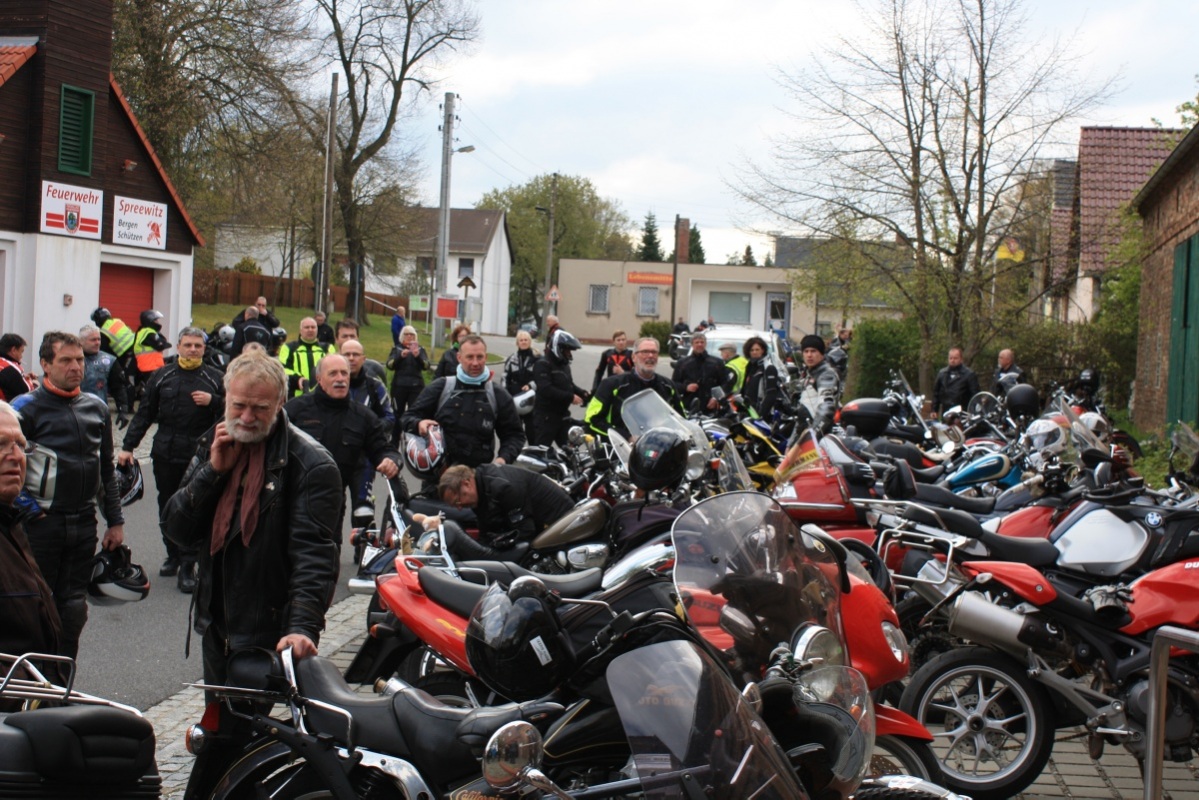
(467, 283)
(552, 295)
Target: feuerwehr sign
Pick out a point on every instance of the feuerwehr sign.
(139, 223)
(71, 210)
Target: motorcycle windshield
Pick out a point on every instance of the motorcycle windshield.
(1185, 442)
(691, 733)
(732, 474)
(748, 578)
(647, 409)
(806, 454)
(1081, 437)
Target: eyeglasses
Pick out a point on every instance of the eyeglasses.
(647, 352)
(7, 445)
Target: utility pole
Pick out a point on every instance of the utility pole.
(674, 275)
(441, 279)
(322, 290)
(549, 247)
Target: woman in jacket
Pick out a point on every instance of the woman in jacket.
(408, 361)
(448, 366)
(762, 389)
(518, 374)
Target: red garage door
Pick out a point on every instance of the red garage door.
(126, 291)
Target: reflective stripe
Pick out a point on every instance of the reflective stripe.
(119, 335)
(148, 362)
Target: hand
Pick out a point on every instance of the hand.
(576, 401)
(712, 403)
(423, 426)
(388, 468)
(124, 458)
(405, 352)
(201, 398)
(224, 451)
(692, 388)
(617, 369)
(114, 537)
(499, 460)
(525, 388)
(301, 646)
(122, 421)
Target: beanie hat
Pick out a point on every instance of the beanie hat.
(812, 341)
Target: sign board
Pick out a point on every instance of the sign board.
(467, 283)
(140, 223)
(552, 295)
(418, 302)
(657, 278)
(447, 308)
(71, 210)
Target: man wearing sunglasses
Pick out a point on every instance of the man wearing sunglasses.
(603, 412)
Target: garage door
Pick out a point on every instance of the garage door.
(126, 291)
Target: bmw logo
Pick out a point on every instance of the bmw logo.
(1153, 519)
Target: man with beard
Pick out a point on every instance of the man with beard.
(603, 412)
(259, 501)
(348, 430)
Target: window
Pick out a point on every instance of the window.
(730, 308)
(466, 268)
(647, 301)
(75, 123)
(597, 298)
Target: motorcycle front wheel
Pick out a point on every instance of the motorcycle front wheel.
(992, 725)
(900, 755)
(302, 782)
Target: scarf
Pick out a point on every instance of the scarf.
(246, 479)
(52, 389)
(469, 381)
(189, 363)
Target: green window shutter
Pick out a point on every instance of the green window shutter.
(75, 127)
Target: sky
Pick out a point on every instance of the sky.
(661, 103)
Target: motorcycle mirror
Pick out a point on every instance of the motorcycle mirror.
(717, 393)
(792, 369)
(511, 753)
(576, 435)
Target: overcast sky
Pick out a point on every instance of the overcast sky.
(658, 102)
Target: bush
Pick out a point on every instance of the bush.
(247, 265)
(880, 345)
(659, 330)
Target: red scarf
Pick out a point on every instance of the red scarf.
(246, 479)
(52, 389)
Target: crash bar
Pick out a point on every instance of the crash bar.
(1165, 638)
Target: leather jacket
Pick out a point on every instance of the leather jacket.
(369, 391)
(819, 391)
(168, 402)
(762, 390)
(409, 369)
(79, 430)
(518, 370)
(283, 581)
(31, 623)
(349, 430)
(703, 369)
(515, 504)
(603, 411)
(556, 388)
(468, 423)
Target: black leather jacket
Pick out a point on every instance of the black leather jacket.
(603, 411)
(409, 369)
(181, 422)
(518, 370)
(762, 388)
(283, 581)
(468, 423)
(703, 369)
(556, 388)
(349, 431)
(79, 430)
(515, 504)
(31, 623)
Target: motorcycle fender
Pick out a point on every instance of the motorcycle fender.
(380, 657)
(890, 721)
(251, 766)
(1022, 579)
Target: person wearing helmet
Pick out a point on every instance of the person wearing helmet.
(185, 399)
(252, 329)
(259, 502)
(616, 360)
(556, 390)
(102, 374)
(149, 344)
(518, 376)
(118, 337)
(77, 428)
(218, 348)
(471, 412)
(14, 380)
(603, 412)
(956, 383)
(512, 504)
(31, 623)
(1086, 389)
(1007, 373)
(698, 374)
(300, 358)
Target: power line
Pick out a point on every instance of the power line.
(481, 143)
(537, 167)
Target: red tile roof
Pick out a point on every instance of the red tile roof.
(1113, 165)
(13, 57)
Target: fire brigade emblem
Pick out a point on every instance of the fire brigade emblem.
(72, 218)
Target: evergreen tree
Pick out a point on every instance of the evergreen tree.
(696, 247)
(769, 262)
(650, 248)
(748, 259)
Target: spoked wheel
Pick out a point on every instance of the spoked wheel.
(455, 689)
(992, 724)
(900, 755)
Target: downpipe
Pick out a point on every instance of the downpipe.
(973, 617)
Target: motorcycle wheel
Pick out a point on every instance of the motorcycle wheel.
(927, 642)
(992, 727)
(891, 793)
(301, 782)
(451, 689)
(902, 755)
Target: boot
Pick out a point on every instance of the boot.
(187, 577)
(169, 568)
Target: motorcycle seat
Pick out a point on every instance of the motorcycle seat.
(101, 745)
(423, 505)
(1034, 552)
(954, 521)
(445, 590)
(940, 496)
(929, 475)
(576, 584)
(374, 715)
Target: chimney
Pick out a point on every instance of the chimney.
(682, 240)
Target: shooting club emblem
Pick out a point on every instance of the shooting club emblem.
(71, 218)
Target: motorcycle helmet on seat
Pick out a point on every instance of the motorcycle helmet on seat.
(101, 315)
(1022, 401)
(1045, 436)
(116, 579)
(1097, 424)
(226, 335)
(424, 454)
(130, 484)
(659, 459)
(515, 641)
(563, 344)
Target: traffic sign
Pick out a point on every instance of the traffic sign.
(552, 295)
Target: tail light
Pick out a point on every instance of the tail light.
(196, 737)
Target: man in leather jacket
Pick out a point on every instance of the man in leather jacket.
(819, 386)
(259, 501)
(955, 384)
(350, 431)
(512, 504)
(103, 374)
(603, 412)
(76, 426)
(697, 374)
(185, 398)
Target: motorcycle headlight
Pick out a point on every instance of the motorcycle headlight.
(817, 641)
(695, 465)
(896, 641)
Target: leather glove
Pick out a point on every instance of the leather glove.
(122, 421)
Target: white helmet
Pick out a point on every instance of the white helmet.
(524, 400)
(1097, 424)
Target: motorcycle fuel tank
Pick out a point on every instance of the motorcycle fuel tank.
(990, 467)
(586, 520)
(1166, 596)
(1096, 541)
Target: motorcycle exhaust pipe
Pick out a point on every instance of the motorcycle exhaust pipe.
(975, 618)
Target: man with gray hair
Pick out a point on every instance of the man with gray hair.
(251, 330)
(102, 373)
(185, 398)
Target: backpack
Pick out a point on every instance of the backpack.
(451, 384)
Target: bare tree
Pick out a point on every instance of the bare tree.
(920, 132)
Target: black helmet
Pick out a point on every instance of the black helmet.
(115, 578)
(563, 344)
(1089, 379)
(129, 482)
(101, 315)
(659, 459)
(278, 336)
(1022, 401)
(151, 318)
(515, 642)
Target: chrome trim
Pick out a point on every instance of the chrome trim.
(361, 586)
(408, 780)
